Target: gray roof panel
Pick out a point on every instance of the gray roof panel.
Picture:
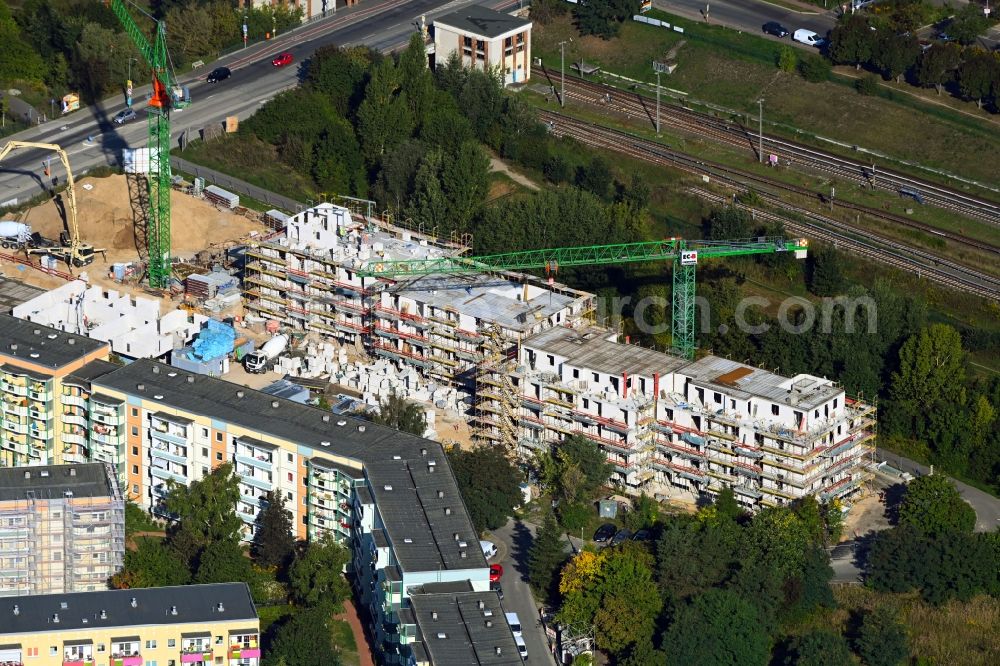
(42, 345)
(52, 481)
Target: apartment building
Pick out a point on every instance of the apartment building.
(308, 279)
(389, 496)
(701, 426)
(62, 528)
(196, 625)
(485, 39)
(44, 402)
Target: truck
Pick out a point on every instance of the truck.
(14, 235)
(258, 362)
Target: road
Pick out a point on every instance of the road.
(513, 543)
(384, 25)
(750, 15)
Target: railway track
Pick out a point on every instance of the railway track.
(727, 131)
(855, 240)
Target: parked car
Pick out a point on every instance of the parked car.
(605, 532)
(496, 587)
(283, 59)
(218, 74)
(621, 537)
(514, 622)
(642, 535)
(522, 649)
(808, 37)
(124, 116)
(774, 28)
(496, 572)
(489, 549)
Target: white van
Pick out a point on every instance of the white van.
(489, 549)
(514, 622)
(808, 37)
(522, 649)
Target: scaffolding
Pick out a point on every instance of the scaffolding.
(497, 399)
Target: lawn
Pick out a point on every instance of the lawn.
(343, 638)
(733, 70)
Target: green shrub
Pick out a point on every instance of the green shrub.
(814, 68)
(787, 59)
(867, 85)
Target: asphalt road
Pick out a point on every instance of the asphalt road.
(384, 24)
(750, 15)
(513, 543)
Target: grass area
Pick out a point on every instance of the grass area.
(965, 633)
(343, 638)
(271, 614)
(733, 70)
(250, 159)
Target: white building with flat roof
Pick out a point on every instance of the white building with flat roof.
(484, 39)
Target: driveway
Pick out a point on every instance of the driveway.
(514, 543)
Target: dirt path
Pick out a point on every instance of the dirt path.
(350, 615)
(496, 164)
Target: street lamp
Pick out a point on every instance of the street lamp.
(562, 69)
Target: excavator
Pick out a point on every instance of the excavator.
(70, 249)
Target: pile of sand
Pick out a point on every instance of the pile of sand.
(106, 221)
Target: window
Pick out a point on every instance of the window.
(204, 471)
(204, 452)
(135, 431)
(290, 477)
(576, 373)
(835, 403)
(289, 496)
(717, 398)
(135, 449)
(135, 489)
(218, 455)
(135, 411)
(289, 457)
(204, 433)
(551, 358)
(305, 520)
(100, 647)
(171, 642)
(218, 640)
(774, 410)
(150, 645)
(135, 469)
(218, 436)
(53, 651)
(33, 652)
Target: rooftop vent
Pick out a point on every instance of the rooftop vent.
(104, 614)
(44, 473)
(13, 347)
(63, 605)
(407, 540)
(481, 605)
(341, 423)
(361, 428)
(134, 602)
(27, 475)
(447, 511)
(17, 609)
(434, 615)
(156, 369)
(490, 624)
(463, 544)
(55, 618)
(173, 610)
(326, 418)
(440, 494)
(324, 443)
(442, 635)
(455, 536)
(52, 336)
(275, 404)
(431, 463)
(488, 612)
(423, 452)
(387, 487)
(171, 374)
(72, 471)
(462, 554)
(33, 354)
(38, 331)
(240, 394)
(219, 607)
(141, 387)
(397, 457)
(71, 341)
(158, 396)
(190, 379)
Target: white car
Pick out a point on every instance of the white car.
(808, 37)
(515, 623)
(522, 649)
(489, 549)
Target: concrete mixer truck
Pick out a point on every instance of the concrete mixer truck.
(259, 361)
(14, 235)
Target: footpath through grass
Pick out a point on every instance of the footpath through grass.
(733, 70)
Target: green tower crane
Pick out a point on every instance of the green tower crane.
(166, 95)
(684, 254)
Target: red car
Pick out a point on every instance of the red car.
(496, 573)
(283, 59)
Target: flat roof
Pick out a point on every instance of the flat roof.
(743, 381)
(487, 297)
(590, 348)
(410, 510)
(464, 628)
(52, 481)
(483, 21)
(153, 606)
(14, 292)
(86, 374)
(42, 345)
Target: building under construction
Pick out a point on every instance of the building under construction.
(666, 423)
(62, 528)
(308, 278)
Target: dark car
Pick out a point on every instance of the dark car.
(605, 532)
(621, 537)
(219, 74)
(498, 589)
(642, 535)
(774, 28)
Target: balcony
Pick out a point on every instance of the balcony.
(168, 436)
(166, 454)
(248, 477)
(75, 400)
(197, 656)
(131, 660)
(168, 475)
(71, 661)
(237, 652)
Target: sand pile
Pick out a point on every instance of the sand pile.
(106, 220)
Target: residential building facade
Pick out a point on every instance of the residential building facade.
(485, 39)
(196, 625)
(701, 426)
(62, 528)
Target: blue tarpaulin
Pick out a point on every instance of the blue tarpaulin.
(214, 341)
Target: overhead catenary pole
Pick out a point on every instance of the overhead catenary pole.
(760, 125)
(562, 69)
(657, 102)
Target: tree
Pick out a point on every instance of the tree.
(717, 628)
(303, 640)
(896, 54)
(814, 68)
(207, 507)
(787, 59)
(977, 75)
(826, 277)
(489, 483)
(591, 461)
(417, 82)
(604, 17)
(544, 11)
(819, 648)
(384, 117)
(150, 564)
(317, 575)
(595, 177)
(138, 520)
(339, 73)
(273, 541)
(852, 42)
(645, 513)
(336, 163)
(223, 562)
(728, 223)
(968, 23)
(546, 556)
(933, 506)
(882, 639)
(401, 414)
(937, 65)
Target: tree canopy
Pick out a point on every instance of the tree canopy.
(316, 576)
(489, 483)
(934, 506)
(273, 541)
(399, 413)
(206, 507)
